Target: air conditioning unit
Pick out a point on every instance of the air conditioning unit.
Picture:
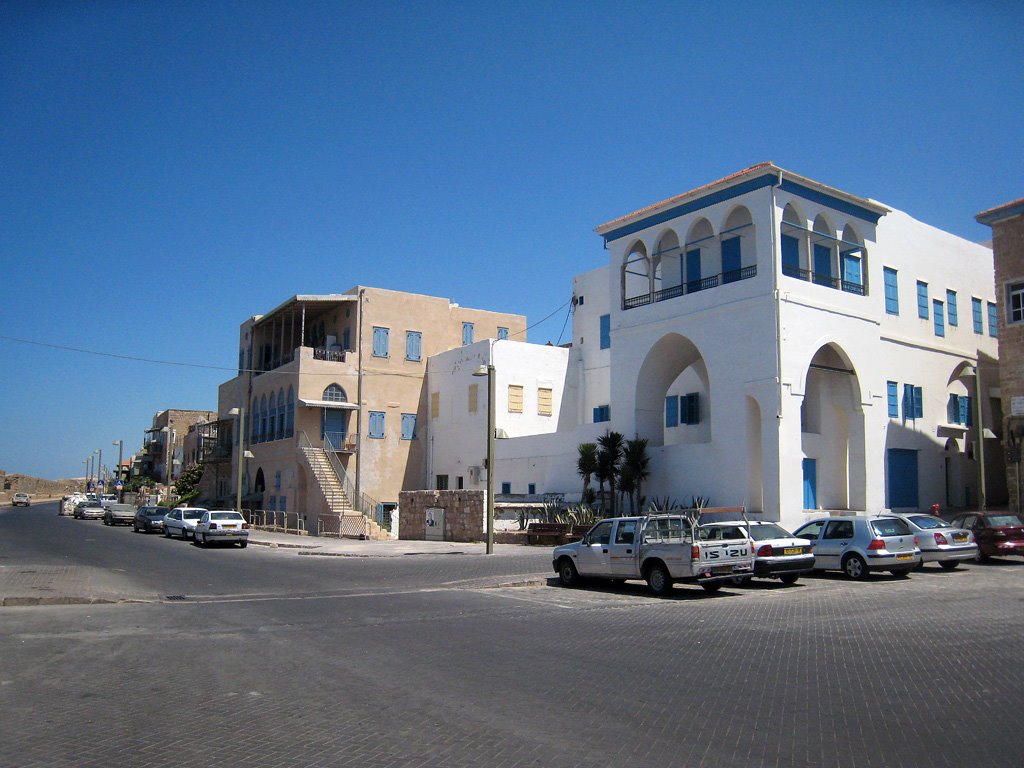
(474, 474)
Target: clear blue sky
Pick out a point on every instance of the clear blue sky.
(171, 168)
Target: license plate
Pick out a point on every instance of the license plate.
(904, 557)
(792, 550)
(959, 537)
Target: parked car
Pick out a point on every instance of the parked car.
(221, 525)
(21, 500)
(118, 513)
(858, 545)
(182, 521)
(778, 554)
(939, 541)
(997, 533)
(149, 519)
(107, 499)
(88, 510)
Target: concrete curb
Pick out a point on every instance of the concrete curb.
(20, 602)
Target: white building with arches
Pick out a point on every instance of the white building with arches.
(783, 345)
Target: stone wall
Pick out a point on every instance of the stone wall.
(464, 514)
(1008, 247)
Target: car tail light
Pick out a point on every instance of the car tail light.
(245, 526)
(916, 543)
(695, 552)
(213, 526)
(765, 550)
(940, 539)
(877, 544)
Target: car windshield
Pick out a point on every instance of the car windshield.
(1004, 520)
(769, 531)
(225, 516)
(192, 514)
(890, 526)
(91, 504)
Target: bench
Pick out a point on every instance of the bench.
(546, 533)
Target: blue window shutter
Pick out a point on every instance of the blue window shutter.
(346, 339)
(380, 342)
(506, 488)
(692, 408)
(993, 320)
(467, 334)
(672, 411)
(606, 331)
(918, 403)
(412, 345)
(376, 424)
(953, 410)
(693, 272)
(503, 332)
(790, 256)
(976, 312)
(892, 399)
(951, 308)
(531, 488)
(732, 259)
(966, 411)
(939, 318)
(922, 300)
(408, 426)
(892, 295)
(908, 401)
(851, 268)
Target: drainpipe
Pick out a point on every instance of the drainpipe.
(360, 437)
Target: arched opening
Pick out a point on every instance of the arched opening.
(961, 437)
(668, 267)
(755, 465)
(853, 261)
(737, 245)
(701, 257)
(673, 394)
(335, 394)
(260, 486)
(832, 433)
(824, 253)
(334, 421)
(272, 411)
(636, 277)
(794, 243)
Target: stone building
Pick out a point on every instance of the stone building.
(1007, 222)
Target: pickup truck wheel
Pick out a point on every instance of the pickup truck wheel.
(788, 578)
(712, 586)
(855, 567)
(659, 580)
(567, 573)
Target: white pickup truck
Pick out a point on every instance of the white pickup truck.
(660, 549)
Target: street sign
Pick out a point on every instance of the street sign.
(100, 483)
(119, 485)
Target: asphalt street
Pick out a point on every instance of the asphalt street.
(260, 657)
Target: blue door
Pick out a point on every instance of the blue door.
(810, 483)
(822, 265)
(790, 256)
(731, 259)
(851, 271)
(693, 270)
(334, 426)
(902, 466)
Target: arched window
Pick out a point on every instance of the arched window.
(668, 267)
(636, 277)
(824, 256)
(280, 414)
(335, 394)
(851, 260)
(793, 242)
(698, 255)
(290, 416)
(737, 240)
(254, 416)
(272, 411)
(264, 432)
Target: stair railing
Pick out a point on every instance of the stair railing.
(363, 504)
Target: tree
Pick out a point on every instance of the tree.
(609, 460)
(636, 467)
(586, 466)
(187, 484)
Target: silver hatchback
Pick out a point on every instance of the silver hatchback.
(858, 545)
(941, 542)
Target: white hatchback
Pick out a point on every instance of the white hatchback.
(221, 525)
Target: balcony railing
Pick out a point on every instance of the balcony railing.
(819, 278)
(732, 276)
(341, 442)
(331, 355)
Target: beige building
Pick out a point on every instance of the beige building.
(174, 422)
(1007, 222)
(333, 389)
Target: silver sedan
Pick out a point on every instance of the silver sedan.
(941, 542)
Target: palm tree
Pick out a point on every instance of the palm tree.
(586, 466)
(636, 464)
(609, 459)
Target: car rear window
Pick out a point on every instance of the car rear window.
(152, 512)
(769, 531)
(1003, 520)
(890, 526)
(928, 522)
(193, 514)
(225, 516)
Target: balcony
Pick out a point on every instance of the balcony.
(694, 286)
(826, 280)
(341, 442)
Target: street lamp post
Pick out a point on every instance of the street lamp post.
(120, 455)
(488, 371)
(242, 455)
(99, 470)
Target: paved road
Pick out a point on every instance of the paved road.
(289, 661)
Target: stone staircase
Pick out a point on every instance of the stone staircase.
(350, 521)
